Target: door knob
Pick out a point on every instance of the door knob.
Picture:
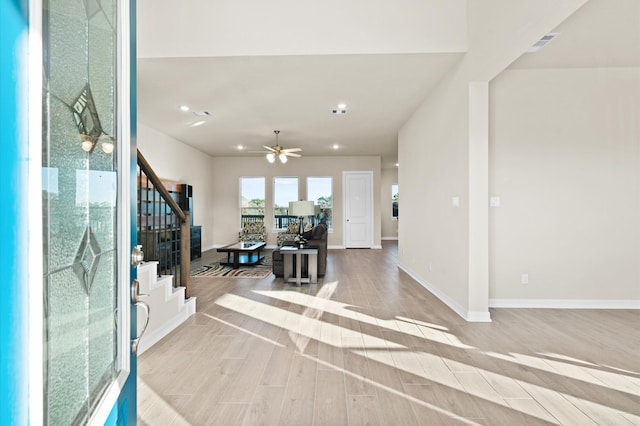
(137, 256)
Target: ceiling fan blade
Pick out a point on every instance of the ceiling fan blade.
(269, 148)
(292, 149)
(291, 154)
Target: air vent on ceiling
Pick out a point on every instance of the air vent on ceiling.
(339, 111)
(202, 113)
(542, 42)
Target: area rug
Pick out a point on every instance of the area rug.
(216, 270)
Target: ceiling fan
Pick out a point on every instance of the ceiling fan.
(279, 152)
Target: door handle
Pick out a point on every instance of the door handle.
(135, 300)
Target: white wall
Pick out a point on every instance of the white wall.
(175, 161)
(227, 172)
(565, 160)
(433, 235)
(442, 150)
(389, 226)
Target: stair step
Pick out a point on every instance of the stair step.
(167, 305)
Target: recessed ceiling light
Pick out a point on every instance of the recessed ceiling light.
(197, 123)
(340, 109)
(184, 108)
(240, 147)
(336, 146)
(397, 164)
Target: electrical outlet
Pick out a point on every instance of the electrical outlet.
(525, 279)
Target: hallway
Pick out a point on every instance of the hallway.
(369, 345)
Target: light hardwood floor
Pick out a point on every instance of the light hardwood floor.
(368, 345)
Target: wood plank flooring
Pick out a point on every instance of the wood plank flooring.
(367, 345)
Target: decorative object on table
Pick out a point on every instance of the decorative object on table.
(277, 152)
(301, 209)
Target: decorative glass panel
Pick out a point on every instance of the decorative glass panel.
(79, 207)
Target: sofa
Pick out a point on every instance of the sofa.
(316, 238)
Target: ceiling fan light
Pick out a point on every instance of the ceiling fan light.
(283, 158)
(271, 157)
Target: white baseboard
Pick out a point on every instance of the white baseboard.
(148, 340)
(471, 316)
(377, 247)
(389, 238)
(335, 247)
(564, 303)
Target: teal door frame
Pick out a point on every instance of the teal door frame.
(15, 374)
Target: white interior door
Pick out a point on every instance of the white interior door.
(358, 208)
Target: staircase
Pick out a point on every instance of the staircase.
(168, 307)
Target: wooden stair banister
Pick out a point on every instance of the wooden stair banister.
(183, 218)
(159, 186)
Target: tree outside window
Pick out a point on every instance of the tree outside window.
(285, 189)
(320, 191)
(252, 199)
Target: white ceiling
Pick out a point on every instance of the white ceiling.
(252, 95)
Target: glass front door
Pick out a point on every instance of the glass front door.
(85, 152)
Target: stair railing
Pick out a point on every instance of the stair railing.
(163, 227)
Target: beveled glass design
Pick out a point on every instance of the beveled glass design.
(81, 353)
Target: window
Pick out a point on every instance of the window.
(251, 199)
(319, 190)
(394, 201)
(285, 189)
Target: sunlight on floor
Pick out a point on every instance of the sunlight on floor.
(405, 325)
(393, 391)
(157, 410)
(314, 312)
(251, 333)
(588, 373)
(472, 379)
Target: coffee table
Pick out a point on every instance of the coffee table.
(243, 253)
